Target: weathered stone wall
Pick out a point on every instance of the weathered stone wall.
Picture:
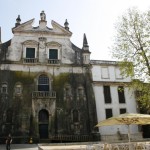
(70, 113)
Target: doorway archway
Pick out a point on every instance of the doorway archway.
(43, 118)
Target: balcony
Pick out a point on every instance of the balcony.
(53, 61)
(30, 60)
(43, 94)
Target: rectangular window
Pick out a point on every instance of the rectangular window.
(121, 94)
(123, 110)
(4, 89)
(108, 113)
(30, 52)
(53, 54)
(107, 95)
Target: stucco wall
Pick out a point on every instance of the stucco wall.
(109, 75)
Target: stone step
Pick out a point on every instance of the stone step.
(62, 147)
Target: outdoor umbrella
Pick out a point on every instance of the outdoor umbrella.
(126, 119)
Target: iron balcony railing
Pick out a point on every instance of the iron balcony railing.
(35, 60)
(75, 138)
(53, 61)
(30, 60)
(43, 94)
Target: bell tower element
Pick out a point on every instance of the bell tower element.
(85, 51)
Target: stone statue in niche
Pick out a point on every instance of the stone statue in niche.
(43, 16)
(75, 116)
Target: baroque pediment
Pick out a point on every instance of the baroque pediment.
(56, 29)
(60, 29)
(24, 26)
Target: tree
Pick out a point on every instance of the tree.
(132, 48)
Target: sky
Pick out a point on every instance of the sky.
(95, 18)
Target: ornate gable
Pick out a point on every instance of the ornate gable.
(24, 26)
(60, 29)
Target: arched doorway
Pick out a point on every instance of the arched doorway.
(43, 123)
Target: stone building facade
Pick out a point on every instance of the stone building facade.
(45, 84)
(113, 97)
(51, 90)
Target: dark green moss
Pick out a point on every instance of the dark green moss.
(23, 77)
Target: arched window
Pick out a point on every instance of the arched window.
(43, 83)
(4, 87)
(43, 115)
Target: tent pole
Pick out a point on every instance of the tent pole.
(129, 137)
(129, 133)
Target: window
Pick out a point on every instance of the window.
(121, 94)
(105, 72)
(43, 83)
(4, 88)
(107, 95)
(122, 110)
(53, 54)
(108, 113)
(30, 52)
(118, 73)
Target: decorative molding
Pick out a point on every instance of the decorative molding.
(30, 42)
(53, 43)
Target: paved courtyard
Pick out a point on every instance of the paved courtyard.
(35, 147)
(20, 147)
(48, 147)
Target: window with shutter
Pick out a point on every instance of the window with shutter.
(30, 52)
(107, 94)
(53, 54)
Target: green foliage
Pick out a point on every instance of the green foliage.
(132, 43)
(132, 49)
(142, 94)
(23, 77)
